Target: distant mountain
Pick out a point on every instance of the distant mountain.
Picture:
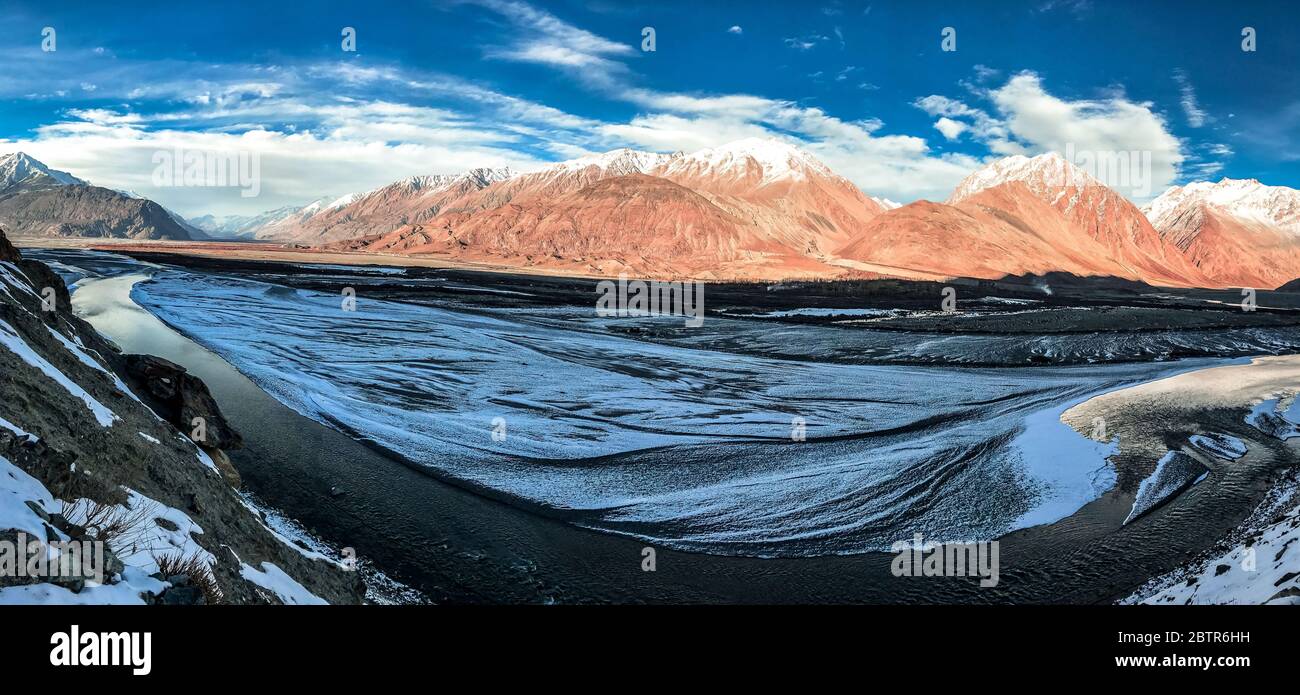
(409, 201)
(786, 192)
(1247, 200)
(1237, 232)
(36, 201)
(1023, 215)
(18, 169)
(1003, 231)
(754, 208)
(255, 226)
(1096, 210)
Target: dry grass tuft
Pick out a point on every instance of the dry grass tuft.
(196, 568)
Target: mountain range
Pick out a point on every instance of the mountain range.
(748, 209)
(751, 209)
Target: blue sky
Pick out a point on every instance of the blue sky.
(439, 87)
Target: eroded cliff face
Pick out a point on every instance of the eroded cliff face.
(90, 450)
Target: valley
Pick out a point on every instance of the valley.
(740, 502)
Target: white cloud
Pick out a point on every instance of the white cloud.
(1048, 123)
(1076, 7)
(898, 166)
(668, 132)
(545, 39)
(951, 129)
(1031, 121)
(1204, 170)
(1196, 117)
(735, 29)
(985, 128)
(806, 42)
(104, 116)
(984, 73)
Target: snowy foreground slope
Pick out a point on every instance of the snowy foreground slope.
(1259, 561)
(83, 459)
(1254, 565)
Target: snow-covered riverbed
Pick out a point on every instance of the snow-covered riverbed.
(685, 447)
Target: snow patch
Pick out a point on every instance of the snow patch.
(1220, 445)
(1265, 417)
(18, 430)
(17, 488)
(274, 579)
(1174, 472)
(85, 359)
(1066, 469)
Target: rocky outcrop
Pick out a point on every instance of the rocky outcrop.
(81, 445)
(7, 251)
(181, 399)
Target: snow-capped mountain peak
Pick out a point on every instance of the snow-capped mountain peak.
(621, 162)
(311, 208)
(395, 198)
(424, 184)
(769, 159)
(1040, 174)
(1245, 199)
(777, 159)
(346, 200)
(483, 177)
(19, 168)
